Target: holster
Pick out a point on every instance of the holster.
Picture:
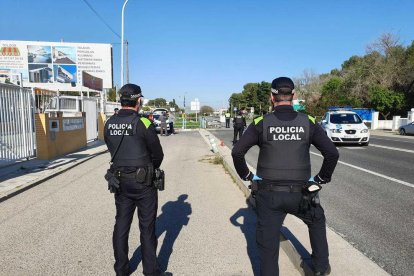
(159, 179)
(254, 187)
(310, 199)
(113, 181)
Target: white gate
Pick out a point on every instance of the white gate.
(17, 131)
(90, 107)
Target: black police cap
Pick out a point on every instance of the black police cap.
(130, 91)
(282, 85)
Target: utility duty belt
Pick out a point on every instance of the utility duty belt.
(147, 176)
(280, 188)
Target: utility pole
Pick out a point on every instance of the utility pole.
(122, 43)
(127, 63)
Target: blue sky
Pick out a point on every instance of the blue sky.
(210, 49)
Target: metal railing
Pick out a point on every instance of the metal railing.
(17, 130)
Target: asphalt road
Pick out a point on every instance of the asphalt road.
(370, 200)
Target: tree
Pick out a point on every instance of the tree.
(383, 78)
(253, 95)
(205, 109)
(385, 100)
(111, 95)
(158, 102)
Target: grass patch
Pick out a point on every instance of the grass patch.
(218, 160)
(189, 124)
(212, 159)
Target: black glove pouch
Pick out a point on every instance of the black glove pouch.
(113, 182)
(159, 179)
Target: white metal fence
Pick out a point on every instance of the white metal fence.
(90, 107)
(17, 130)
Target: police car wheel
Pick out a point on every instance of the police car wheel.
(365, 144)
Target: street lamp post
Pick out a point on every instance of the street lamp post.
(122, 43)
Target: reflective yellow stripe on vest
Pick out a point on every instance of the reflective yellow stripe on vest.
(146, 122)
(257, 120)
(312, 119)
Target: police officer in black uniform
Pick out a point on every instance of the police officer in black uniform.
(283, 170)
(239, 123)
(140, 148)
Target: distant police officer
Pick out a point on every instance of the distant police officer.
(284, 137)
(136, 150)
(227, 116)
(239, 123)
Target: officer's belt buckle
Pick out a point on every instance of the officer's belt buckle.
(126, 175)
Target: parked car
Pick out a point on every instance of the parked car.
(407, 129)
(157, 123)
(214, 123)
(345, 127)
(159, 110)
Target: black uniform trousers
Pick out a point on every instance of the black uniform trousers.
(272, 207)
(238, 131)
(131, 197)
(227, 122)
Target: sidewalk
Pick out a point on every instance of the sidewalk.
(204, 225)
(344, 258)
(21, 176)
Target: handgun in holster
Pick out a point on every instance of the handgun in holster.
(254, 187)
(310, 196)
(113, 181)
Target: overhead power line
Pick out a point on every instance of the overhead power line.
(101, 18)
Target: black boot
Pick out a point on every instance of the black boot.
(326, 272)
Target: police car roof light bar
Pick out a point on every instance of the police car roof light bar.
(340, 108)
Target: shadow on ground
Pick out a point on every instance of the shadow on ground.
(245, 218)
(175, 214)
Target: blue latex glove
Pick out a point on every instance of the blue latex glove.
(256, 178)
(317, 179)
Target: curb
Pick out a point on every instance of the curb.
(37, 182)
(295, 251)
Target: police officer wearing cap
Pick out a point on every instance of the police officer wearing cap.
(135, 148)
(283, 170)
(239, 123)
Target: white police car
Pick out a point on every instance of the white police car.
(345, 127)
